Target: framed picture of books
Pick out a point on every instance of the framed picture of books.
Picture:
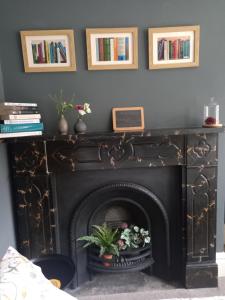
(112, 48)
(174, 47)
(48, 50)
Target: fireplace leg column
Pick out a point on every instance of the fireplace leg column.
(201, 184)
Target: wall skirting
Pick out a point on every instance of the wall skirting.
(220, 259)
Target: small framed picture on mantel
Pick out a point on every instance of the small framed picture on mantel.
(174, 47)
(112, 48)
(128, 118)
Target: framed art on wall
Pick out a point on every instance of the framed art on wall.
(112, 48)
(48, 50)
(174, 47)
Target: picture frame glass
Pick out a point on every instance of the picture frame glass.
(48, 51)
(111, 48)
(173, 47)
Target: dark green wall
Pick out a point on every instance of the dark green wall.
(6, 220)
(171, 98)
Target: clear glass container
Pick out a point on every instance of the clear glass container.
(211, 114)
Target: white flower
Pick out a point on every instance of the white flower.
(87, 108)
(147, 240)
(81, 112)
(136, 228)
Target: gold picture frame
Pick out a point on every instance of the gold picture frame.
(112, 48)
(128, 118)
(174, 47)
(48, 50)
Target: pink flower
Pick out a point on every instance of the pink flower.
(123, 225)
(79, 107)
(120, 244)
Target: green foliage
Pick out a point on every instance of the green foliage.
(61, 104)
(133, 237)
(104, 237)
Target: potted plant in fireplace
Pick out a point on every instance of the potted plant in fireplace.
(133, 237)
(105, 239)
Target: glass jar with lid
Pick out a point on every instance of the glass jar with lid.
(211, 114)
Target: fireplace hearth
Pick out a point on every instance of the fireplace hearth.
(163, 180)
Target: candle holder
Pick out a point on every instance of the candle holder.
(211, 114)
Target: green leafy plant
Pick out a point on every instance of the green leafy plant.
(61, 104)
(133, 237)
(105, 238)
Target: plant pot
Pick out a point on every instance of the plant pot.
(80, 126)
(63, 126)
(106, 259)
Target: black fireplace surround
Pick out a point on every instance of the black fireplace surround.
(164, 180)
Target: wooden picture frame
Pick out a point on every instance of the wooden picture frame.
(48, 50)
(112, 48)
(128, 118)
(174, 47)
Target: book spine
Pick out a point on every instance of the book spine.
(178, 49)
(101, 49)
(33, 121)
(20, 117)
(185, 50)
(40, 55)
(165, 50)
(106, 42)
(161, 49)
(43, 52)
(127, 48)
(20, 127)
(115, 49)
(111, 49)
(18, 112)
(62, 52)
(20, 134)
(174, 49)
(170, 50)
(51, 53)
(17, 104)
(121, 49)
(34, 53)
(58, 55)
(97, 49)
(18, 108)
(46, 52)
(188, 49)
(55, 53)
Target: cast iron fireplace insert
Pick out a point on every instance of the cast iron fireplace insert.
(49, 172)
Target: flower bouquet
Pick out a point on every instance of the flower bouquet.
(82, 109)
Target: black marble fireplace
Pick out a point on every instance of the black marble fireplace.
(164, 180)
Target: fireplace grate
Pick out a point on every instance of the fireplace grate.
(130, 260)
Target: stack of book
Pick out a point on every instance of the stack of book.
(19, 119)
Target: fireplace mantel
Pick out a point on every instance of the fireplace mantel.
(35, 161)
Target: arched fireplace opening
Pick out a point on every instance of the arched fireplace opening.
(115, 204)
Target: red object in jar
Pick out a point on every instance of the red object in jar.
(210, 121)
